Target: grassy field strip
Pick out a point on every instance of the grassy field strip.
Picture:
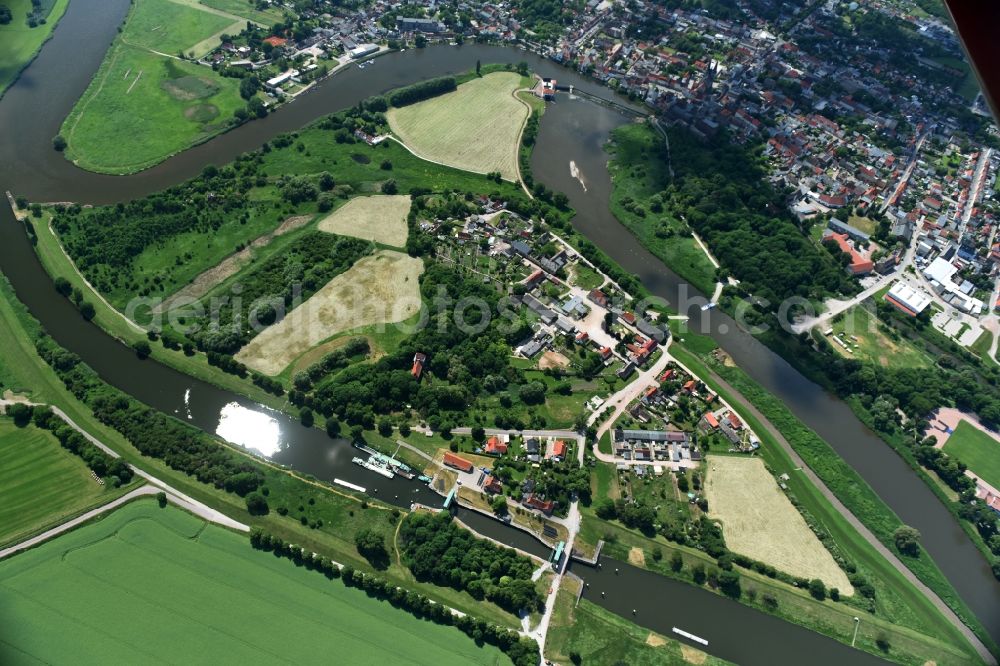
(19, 44)
(760, 522)
(378, 218)
(381, 288)
(857, 541)
(475, 128)
(247, 10)
(42, 484)
(229, 601)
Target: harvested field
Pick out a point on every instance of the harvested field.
(475, 128)
(229, 266)
(380, 289)
(551, 359)
(379, 218)
(759, 521)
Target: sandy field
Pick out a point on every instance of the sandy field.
(382, 288)
(379, 218)
(759, 521)
(475, 128)
(552, 359)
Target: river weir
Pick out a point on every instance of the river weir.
(572, 130)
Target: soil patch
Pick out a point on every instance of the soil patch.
(636, 557)
(692, 655)
(553, 359)
(655, 640)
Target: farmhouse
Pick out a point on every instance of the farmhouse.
(495, 446)
(533, 501)
(418, 365)
(492, 485)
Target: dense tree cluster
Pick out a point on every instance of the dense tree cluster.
(153, 433)
(521, 651)
(115, 470)
(721, 190)
(437, 550)
(423, 90)
(275, 287)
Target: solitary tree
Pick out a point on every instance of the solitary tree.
(817, 589)
(907, 540)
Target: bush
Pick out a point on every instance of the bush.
(161, 499)
(142, 348)
(257, 504)
(59, 143)
(817, 589)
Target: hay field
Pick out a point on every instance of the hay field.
(760, 522)
(475, 128)
(41, 483)
(380, 218)
(382, 288)
(151, 585)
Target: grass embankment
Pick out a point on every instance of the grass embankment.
(475, 128)
(977, 450)
(639, 172)
(42, 484)
(602, 638)
(895, 597)
(229, 601)
(144, 104)
(19, 43)
(23, 371)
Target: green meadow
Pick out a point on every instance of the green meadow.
(146, 582)
(41, 484)
(145, 104)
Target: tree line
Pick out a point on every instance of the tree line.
(522, 651)
(114, 470)
(423, 90)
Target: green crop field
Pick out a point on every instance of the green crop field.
(41, 484)
(979, 451)
(144, 104)
(19, 43)
(170, 27)
(474, 128)
(145, 582)
(248, 10)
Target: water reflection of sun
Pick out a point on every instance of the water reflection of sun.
(249, 428)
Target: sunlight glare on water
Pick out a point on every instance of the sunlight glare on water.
(250, 429)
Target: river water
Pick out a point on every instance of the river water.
(572, 130)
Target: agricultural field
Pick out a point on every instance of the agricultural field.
(92, 588)
(759, 521)
(41, 483)
(378, 218)
(248, 10)
(870, 340)
(382, 288)
(19, 43)
(476, 128)
(144, 104)
(979, 451)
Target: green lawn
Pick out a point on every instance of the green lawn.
(248, 10)
(41, 483)
(170, 27)
(586, 277)
(211, 598)
(969, 86)
(636, 175)
(979, 451)
(19, 43)
(141, 107)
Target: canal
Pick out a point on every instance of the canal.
(32, 111)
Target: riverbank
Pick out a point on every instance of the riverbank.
(19, 43)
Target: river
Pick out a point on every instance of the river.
(32, 111)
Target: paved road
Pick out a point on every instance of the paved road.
(179, 498)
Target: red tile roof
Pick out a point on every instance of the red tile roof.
(452, 460)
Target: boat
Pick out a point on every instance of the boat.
(424, 478)
(707, 306)
(374, 467)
